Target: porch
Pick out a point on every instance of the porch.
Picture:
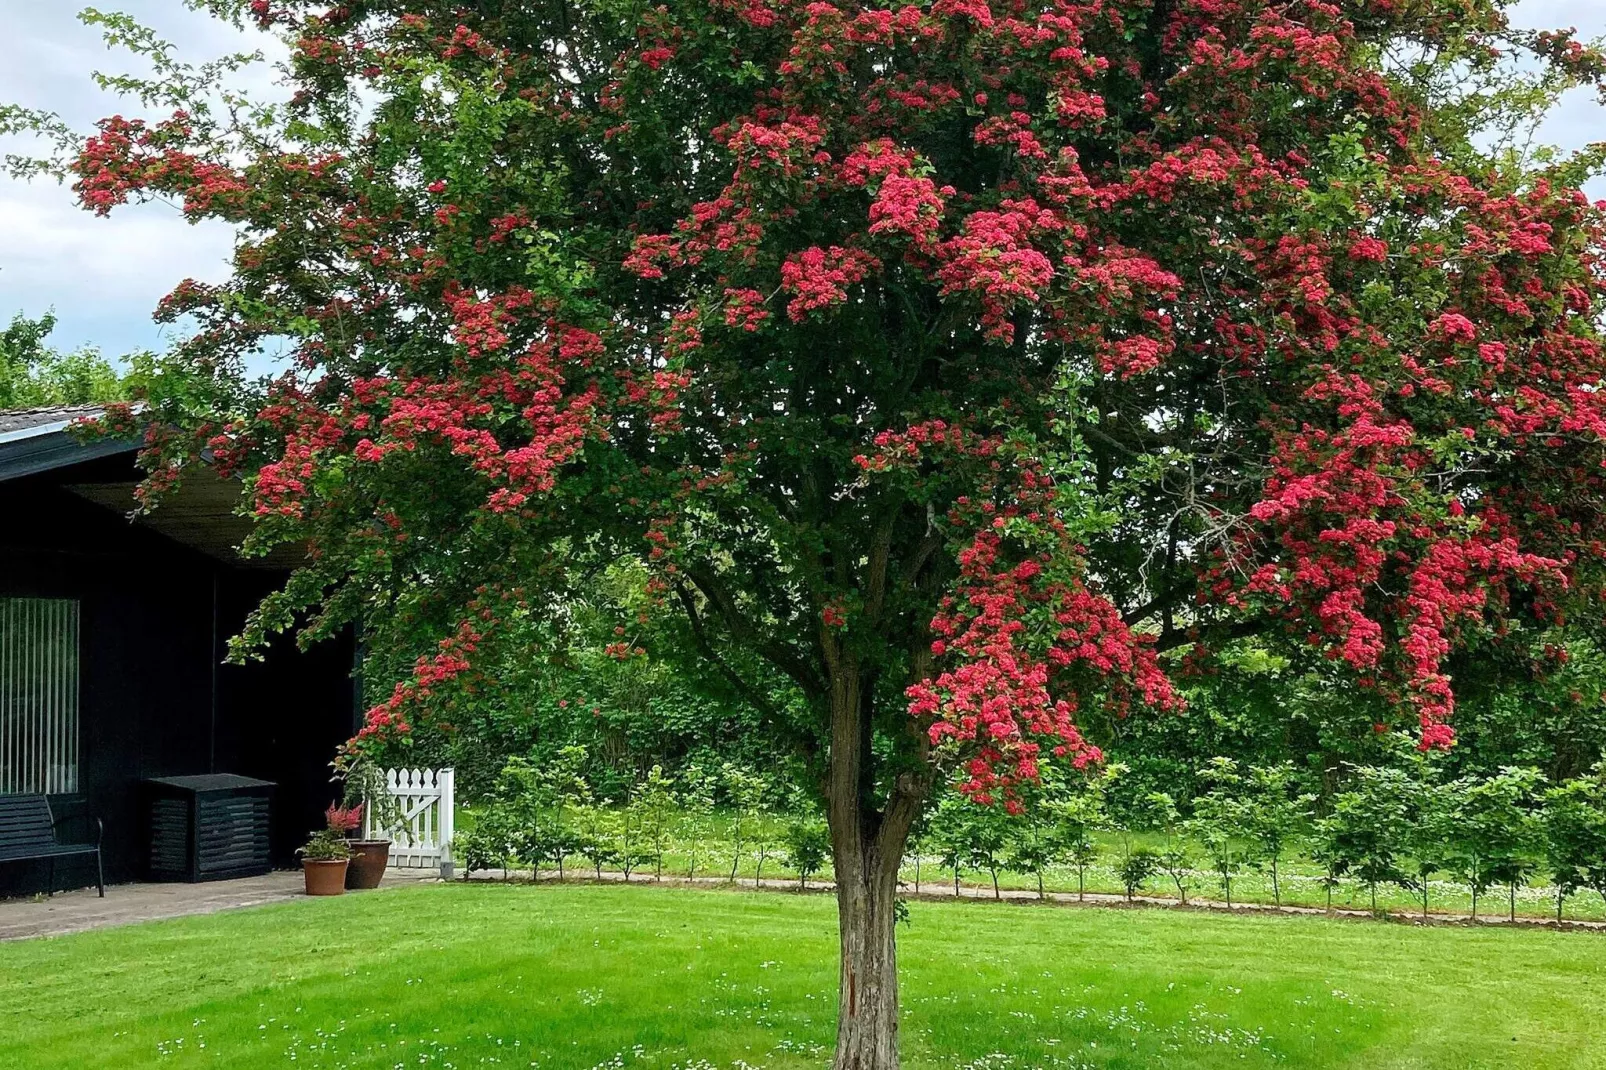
(80, 911)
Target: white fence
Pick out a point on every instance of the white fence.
(421, 837)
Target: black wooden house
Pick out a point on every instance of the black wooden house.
(112, 637)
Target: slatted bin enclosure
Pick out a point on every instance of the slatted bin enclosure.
(208, 828)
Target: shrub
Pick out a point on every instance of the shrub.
(808, 845)
(1139, 865)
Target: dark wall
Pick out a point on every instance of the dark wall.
(154, 700)
(281, 719)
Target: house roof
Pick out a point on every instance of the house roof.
(19, 424)
(203, 513)
(37, 440)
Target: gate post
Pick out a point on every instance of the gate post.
(448, 824)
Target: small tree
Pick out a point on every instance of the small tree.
(488, 843)
(950, 835)
(1160, 812)
(529, 808)
(1033, 843)
(1327, 848)
(808, 845)
(1575, 835)
(631, 845)
(1139, 865)
(1078, 815)
(747, 792)
(1221, 818)
(596, 834)
(565, 779)
(696, 813)
(1276, 816)
(918, 845)
(1370, 826)
(656, 804)
(1430, 833)
(1493, 830)
(988, 834)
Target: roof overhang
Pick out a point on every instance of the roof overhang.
(203, 513)
(44, 447)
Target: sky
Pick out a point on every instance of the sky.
(103, 277)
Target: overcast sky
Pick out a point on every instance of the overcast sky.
(103, 277)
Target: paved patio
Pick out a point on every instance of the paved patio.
(126, 904)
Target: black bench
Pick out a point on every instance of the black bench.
(28, 833)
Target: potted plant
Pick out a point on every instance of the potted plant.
(365, 786)
(323, 862)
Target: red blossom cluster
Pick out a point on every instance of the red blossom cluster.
(820, 278)
(1012, 631)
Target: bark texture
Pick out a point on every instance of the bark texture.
(867, 846)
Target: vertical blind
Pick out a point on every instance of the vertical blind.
(38, 695)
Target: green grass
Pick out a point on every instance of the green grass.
(577, 976)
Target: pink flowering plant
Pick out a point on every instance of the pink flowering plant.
(963, 374)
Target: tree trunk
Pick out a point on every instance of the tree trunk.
(1276, 889)
(867, 847)
(867, 1007)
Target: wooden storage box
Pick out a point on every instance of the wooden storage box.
(208, 828)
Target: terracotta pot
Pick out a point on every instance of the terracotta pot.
(368, 861)
(325, 878)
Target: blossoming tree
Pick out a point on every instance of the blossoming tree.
(953, 367)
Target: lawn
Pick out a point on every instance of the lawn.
(592, 977)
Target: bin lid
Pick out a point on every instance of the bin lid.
(210, 782)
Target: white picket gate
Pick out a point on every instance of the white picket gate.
(422, 836)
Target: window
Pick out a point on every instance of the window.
(38, 695)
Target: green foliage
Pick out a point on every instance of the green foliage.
(326, 845)
(1367, 833)
(1401, 826)
(1078, 814)
(1575, 835)
(808, 847)
(628, 713)
(656, 806)
(1139, 865)
(1160, 813)
(34, 375)
(1493, 829)
(1222, 817)
(1276, 816)
(748, 793)
(486, 845)
(696, 812)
